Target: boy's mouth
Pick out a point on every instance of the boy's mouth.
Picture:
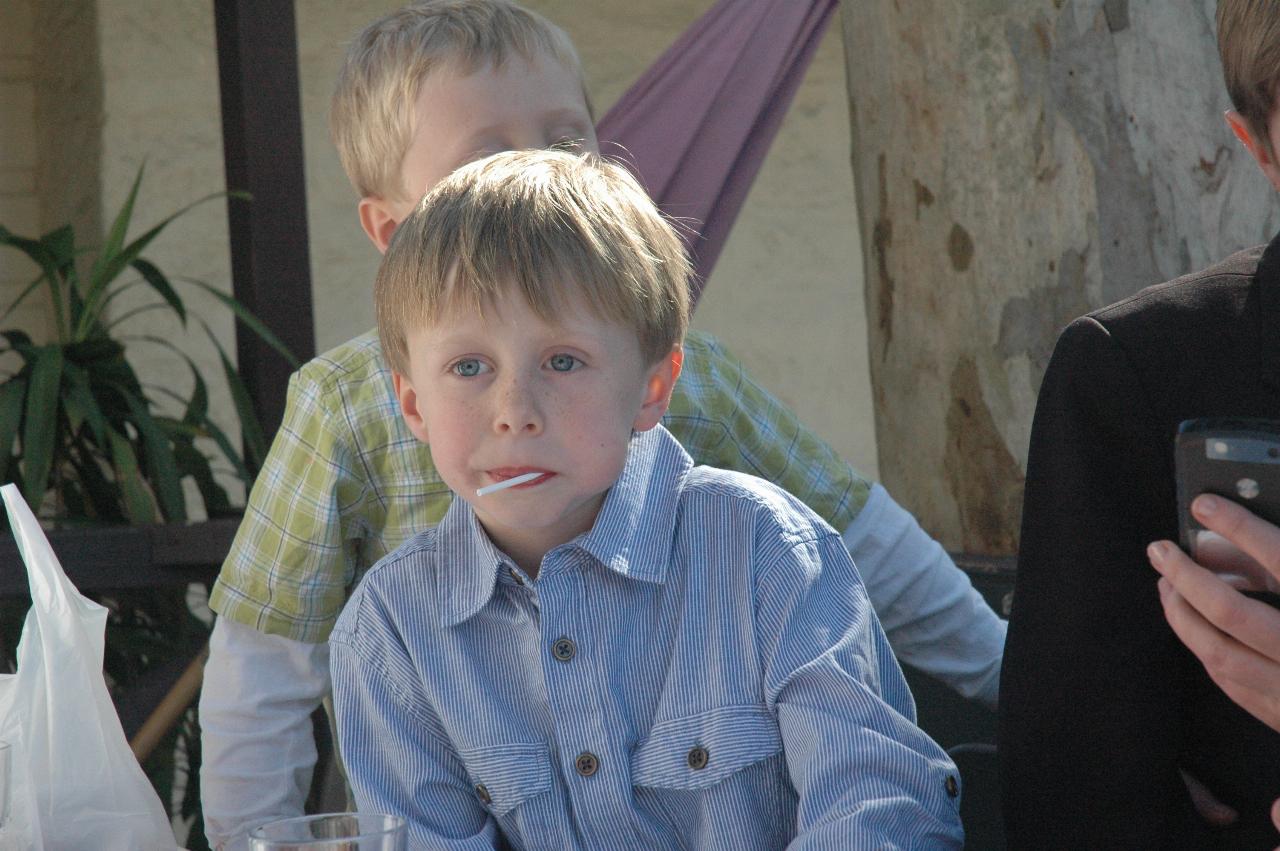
(502, 474)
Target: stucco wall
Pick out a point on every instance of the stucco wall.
(19, 201)
(786, 296)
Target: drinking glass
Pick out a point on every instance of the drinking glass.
(332, 832)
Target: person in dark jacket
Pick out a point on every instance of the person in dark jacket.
(1101, 706)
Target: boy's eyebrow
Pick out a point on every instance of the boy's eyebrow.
(565, 114)
(555, 335)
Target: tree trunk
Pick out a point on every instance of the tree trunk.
(1017, 164)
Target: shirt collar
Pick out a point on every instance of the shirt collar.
(631, 535)
(470, 564)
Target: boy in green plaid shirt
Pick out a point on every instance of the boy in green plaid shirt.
(345, 483)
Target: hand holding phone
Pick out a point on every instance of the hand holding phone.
(1239, 460)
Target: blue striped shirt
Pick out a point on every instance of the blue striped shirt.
(701, 669)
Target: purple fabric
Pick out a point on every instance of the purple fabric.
(697, 124)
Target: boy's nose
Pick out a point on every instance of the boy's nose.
(517, 410)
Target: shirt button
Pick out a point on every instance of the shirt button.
(483, 794)
(587, 764)
(698, 758)
(953, 788)
(516, 576)
(564, 649)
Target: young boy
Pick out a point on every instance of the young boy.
(625, 650)
(424, 90)
(1099, 698)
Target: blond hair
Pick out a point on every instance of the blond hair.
(1249, 45)
(371, 115)
(549, 225)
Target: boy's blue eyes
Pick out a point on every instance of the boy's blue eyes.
(471, 367)
(467, 368)
(563, 363)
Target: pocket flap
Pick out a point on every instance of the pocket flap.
(701, 750)
(506, 776)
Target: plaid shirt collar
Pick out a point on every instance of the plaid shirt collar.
(631, 535)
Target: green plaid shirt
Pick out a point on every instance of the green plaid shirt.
(345, 482)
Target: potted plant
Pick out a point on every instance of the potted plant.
(74, 419)
(87, 442)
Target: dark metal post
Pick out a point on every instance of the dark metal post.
(262, 147)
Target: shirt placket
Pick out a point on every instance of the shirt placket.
(593, 763)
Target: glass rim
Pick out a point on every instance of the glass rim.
(385, 824)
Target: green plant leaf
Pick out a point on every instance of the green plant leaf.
(81, 404)
(104, 495)
(33, 248)
(112, 264)
(43, 257)
(12, 395)
(197, 407)
(138, 507)
(162, 469)
(250, 429)
(129, 314)
(254, 324)
(219, 437)
(94, 349)
(22, 296)
(61, 243)
(40, 426)
(20, 343)
(112, 377)
(193, 463)
(161, 285)
(119, 228)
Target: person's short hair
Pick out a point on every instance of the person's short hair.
(1249, 45)
(371, 115)
(549, 225)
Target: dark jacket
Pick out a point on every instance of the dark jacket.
(1100, 705)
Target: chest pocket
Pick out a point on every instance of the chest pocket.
(507, 776)
(699, 751)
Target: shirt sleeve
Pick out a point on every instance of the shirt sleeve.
(398, 758)
(292, 559)
(255, 729)
(866, 775)
(724, 419)
(934, 618)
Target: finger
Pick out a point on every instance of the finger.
(1248, 678)
(1275, 815)
(1234, 565)
(1255, 536)
(1251, 622)
(1212, 810)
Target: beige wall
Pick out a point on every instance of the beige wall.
(786, 297)
(19, 202)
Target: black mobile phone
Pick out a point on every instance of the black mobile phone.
(1235, 458)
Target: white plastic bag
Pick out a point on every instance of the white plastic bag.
(77, 785)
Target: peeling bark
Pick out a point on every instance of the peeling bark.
(1017, 164)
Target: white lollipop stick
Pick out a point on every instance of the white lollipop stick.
(507, 483)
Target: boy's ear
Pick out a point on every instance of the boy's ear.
(378, 220)
(1260, 150)
(410, 406)
(659, 384)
